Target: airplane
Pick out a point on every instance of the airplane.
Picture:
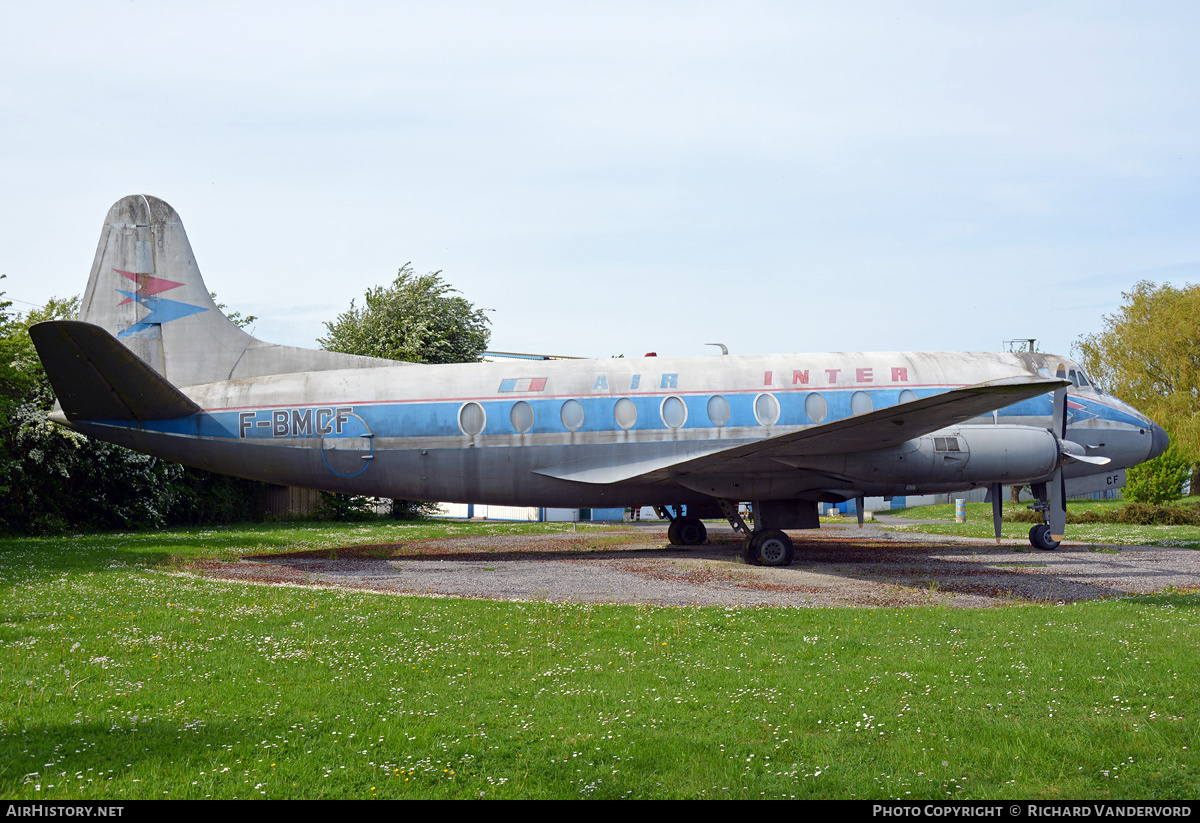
(152, 364)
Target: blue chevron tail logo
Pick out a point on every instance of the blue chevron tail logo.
(161, 311)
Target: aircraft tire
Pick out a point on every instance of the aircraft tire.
(690, 531)
(748, 552)
(673, 532)
(771, 547)
(1039, 538)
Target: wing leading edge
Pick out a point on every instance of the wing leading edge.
(866, 432)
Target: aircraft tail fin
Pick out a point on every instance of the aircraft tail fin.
(95, 377)
(146, 290)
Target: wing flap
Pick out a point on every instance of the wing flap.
(603, 470)
(97, 378)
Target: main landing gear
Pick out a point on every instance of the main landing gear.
(684, 530)
(763, 547)
(770, 547)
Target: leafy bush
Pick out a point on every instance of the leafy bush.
(58, 479)
(345, 507)
(1159, 480)
(1131, 514)
(1142, 514)
(205, 498)
(412, 510)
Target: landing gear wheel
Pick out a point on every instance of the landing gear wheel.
(769, 547)
(689, 531)
(1039, 538)
(673, 533)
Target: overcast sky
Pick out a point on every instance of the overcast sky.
(617, 178)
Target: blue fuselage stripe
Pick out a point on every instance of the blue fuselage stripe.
(440, 418)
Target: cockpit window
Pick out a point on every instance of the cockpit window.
(1079, 378)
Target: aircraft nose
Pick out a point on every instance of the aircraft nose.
(1159, 440)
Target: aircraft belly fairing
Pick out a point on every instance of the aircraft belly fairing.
(153, 365)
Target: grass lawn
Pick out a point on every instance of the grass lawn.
(123, 678)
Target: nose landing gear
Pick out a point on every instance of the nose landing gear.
(1040, 539)
(770, 547)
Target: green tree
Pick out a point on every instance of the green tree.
(418, 319)
(21, 376)
(235, 316)
(15, 386)
(1149, 356)
(55, 478)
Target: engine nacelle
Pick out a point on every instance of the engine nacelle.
(966, 455)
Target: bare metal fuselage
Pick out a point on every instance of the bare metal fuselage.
(152, 364)
(502, 433)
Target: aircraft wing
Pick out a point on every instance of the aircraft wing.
(865, 432)
(97, 378)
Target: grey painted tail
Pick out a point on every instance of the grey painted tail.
(146, 290)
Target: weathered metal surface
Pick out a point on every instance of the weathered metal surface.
(661, 430)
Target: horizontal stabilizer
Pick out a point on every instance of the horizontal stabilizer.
(96, 378)
(865, 432)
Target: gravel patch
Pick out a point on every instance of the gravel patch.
(837, 566)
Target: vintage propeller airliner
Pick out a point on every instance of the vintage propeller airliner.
(152, 364)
